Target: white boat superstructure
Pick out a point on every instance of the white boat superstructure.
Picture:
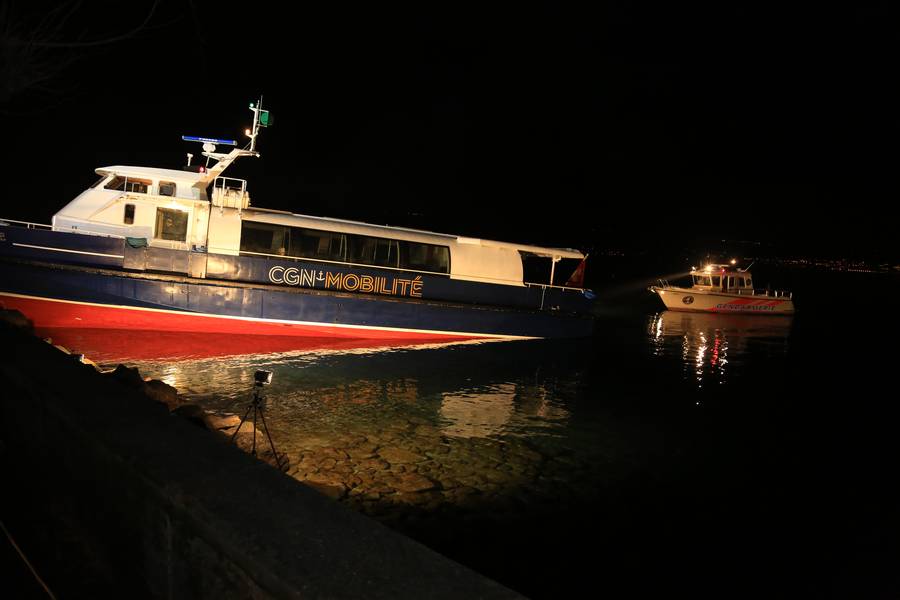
(724, 289)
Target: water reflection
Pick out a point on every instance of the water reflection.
(115, 345)
(397, 427)
(713, 346)
(478, 414)
(503, 409)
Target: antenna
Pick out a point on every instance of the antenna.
(261, 118)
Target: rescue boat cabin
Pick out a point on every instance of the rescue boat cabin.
(201, 212)
(722, 278)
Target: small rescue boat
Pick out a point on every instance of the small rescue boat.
(724, 289)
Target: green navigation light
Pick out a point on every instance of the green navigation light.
(265, 118)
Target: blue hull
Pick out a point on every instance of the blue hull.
(90, 273)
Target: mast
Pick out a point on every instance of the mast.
(261, 118)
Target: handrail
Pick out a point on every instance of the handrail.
(553, 287)
(28, 224)
(45, 227)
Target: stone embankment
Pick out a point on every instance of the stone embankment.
(112, 476)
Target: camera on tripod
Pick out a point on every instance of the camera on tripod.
(262, 377)
(257, 406)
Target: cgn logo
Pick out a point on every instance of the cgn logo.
(688, 299)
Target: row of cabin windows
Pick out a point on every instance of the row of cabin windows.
(139, 186)
(279, 240)
(716, 281)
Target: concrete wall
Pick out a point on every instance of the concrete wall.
(180, 513)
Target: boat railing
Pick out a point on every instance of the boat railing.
(26, 224)
(230, 192)
(768, 293)
(45, 227)
(547, 286)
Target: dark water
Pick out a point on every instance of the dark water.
(714, 456)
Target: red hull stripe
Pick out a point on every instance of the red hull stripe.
(45, 312)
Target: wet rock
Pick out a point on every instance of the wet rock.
(334, 453)
(373, 464)
(129, 376)
(327, 486)
(413, 482)
(223, 422)
(362, 451)
(163, 393)
(495, 476)
(193, 414)
(438, 451)
(396, 455)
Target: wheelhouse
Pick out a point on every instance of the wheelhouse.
(722, 278)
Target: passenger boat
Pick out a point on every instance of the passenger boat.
(184, 251)
(724, 289)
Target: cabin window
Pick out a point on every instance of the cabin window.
(748, 283)
(312, 243)
(171, 224)
(717, 281)
(126, 184)
(702, 280)
(129, 214)
(424, 257)
(264, 238)
(380, 252)
(166, 188)
(740, 282)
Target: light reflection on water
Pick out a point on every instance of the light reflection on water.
(712, 346)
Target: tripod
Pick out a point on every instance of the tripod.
(257, 405)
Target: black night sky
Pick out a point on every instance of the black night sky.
(626, 125)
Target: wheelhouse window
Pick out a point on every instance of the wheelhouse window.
(127, 184)
(702, 280)
(166, 188)
(129, 214)
(717, 281)
(265, 238)
(171, 224)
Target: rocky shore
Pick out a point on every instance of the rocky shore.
(399, 471)
(116, 496)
